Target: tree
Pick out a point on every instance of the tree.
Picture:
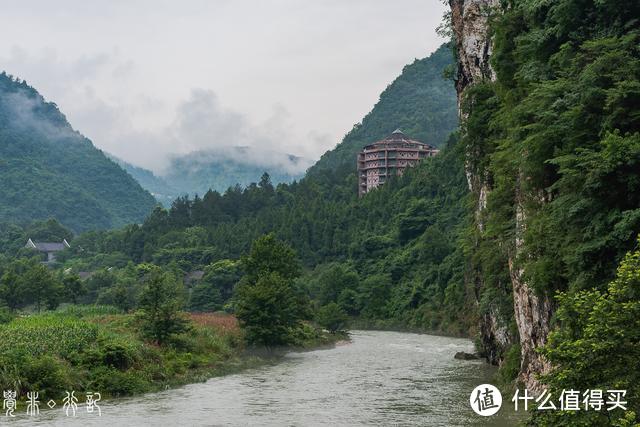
(41, 287)
(598, 346)
(205, 296)
(266, 301)
(268, 310)
(333, 280)
(270, 255)
(121, 297)
(160, 307)
(332, 317)
(11, 291)
(374, 296)
(73, 288)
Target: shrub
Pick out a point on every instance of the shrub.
(332, 317)
(117, 383)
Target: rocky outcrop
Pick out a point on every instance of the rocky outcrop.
(470, 23)
(470, 19)
(461, 355)
(532, 312)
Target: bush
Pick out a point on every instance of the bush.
(111, 381)
(45, 374)
(332, 317)
(5, 315)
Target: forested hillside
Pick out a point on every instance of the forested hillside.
(553, 149)
(156, 185)
(49, 170)
(420, 102)
(392, 256)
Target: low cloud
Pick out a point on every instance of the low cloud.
(204, 128)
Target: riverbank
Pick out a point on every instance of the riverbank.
(380, 378)
(96, 349)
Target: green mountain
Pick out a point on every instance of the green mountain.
(49, 170)
(391, 256)
(420, 101)
(201, 171)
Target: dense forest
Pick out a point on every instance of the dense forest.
(554, 138)
(392, 255)
(48, 170)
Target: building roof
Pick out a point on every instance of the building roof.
(397, 136)
(47, 246)
(194, 276)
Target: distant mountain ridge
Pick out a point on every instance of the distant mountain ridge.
(197, 172)
(200, 171)
(49, 170)
(154, 184)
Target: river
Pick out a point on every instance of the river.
(380, 378)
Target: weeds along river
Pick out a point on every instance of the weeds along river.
(380, 378)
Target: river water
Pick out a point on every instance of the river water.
(380, 378)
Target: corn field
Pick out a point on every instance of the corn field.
(53, 335)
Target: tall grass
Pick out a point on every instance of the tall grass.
(47, 334)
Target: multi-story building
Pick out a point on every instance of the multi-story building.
(381, 160)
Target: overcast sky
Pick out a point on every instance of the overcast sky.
(144, 79)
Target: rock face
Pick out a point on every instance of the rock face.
(470, 25)
(532, 313)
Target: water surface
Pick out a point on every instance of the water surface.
(380, 378)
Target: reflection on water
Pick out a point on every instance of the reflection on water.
(381, 378)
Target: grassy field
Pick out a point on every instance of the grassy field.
(94, 349)
(97, 349)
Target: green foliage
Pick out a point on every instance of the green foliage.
(420, 101)
(160, 307)
(269, 255)
(598, 344)
(405, 232)
(268, 310)
(41, 287)
(49, 170)
(73, 288)
(47, 334)
(332, 317)
(93, 348)
(266, 303)
(555, 140)
(511, 365)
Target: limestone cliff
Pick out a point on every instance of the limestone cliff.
(470, 19)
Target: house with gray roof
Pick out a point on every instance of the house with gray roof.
(48, 248)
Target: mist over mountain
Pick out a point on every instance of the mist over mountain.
(49, 170)
(200, 171)
(197, 172)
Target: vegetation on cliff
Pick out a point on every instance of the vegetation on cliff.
(556, 138)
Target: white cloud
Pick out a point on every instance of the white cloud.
(283, 75)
